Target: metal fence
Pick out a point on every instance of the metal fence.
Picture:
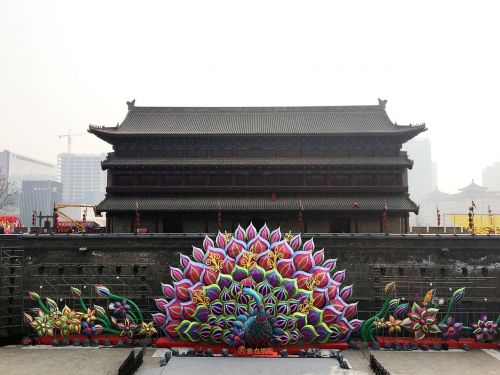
(11, 288)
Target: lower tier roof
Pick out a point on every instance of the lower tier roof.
(257, 204)
(399, 161)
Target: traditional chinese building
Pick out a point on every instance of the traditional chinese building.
(309, 169)
(486, 203)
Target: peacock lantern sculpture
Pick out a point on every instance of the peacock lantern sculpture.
(257, 289)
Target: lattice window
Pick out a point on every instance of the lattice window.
(173, 153)
(197, 153)
(392, 179)
(149, 180)
(291, 180)
(315, 180)
(172, 180)
(340, 180)
(290, 152)
(221, 180)
(124, 180)
(362, 152)
(221, 153)
(256, 180)
(364, 179)
(196, 180)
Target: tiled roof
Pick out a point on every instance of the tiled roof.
(473, 187)
(177, 204)
(340, 120)
(224, 162)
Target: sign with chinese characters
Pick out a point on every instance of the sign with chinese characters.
(243, 351)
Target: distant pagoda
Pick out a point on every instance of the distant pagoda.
(310, 169)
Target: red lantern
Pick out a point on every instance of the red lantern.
(56, 215)
(219, 219)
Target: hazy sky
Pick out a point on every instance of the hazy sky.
(67, 64)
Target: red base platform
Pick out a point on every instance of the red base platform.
(430, 341)
(164, 342)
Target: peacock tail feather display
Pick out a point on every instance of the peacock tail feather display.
(257, 289)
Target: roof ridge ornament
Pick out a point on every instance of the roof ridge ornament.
(382, 103)
(131, 105)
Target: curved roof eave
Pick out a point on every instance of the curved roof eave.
(112, 132)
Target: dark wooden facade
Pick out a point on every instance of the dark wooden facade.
(310, 169)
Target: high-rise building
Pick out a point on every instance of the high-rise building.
(82, 177)
(434, 175)
(39, 196)
(420, 177)
(491, 176)
(18, 168)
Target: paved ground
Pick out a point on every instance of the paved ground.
(106, 361)
(66, 361)
(260, 366)
(483, 362)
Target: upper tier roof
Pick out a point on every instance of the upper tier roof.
(208, 121)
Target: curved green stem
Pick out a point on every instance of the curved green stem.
(84, 307)
(465, 328)
(43, 307)
(103, 318)
(132, 316)
(136, 308)
(366, 331)
(448, 311)
(118, 298)
(110, 330)
(104, 322)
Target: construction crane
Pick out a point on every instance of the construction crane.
(79, 224)
(69, 135)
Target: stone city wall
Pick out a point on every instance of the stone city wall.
(135, 266)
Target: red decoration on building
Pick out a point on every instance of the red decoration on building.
(385, 219)
(137, 217)
(56, 216)
(471, 216)
(219, 215)
(219, 219)
(300, 216)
